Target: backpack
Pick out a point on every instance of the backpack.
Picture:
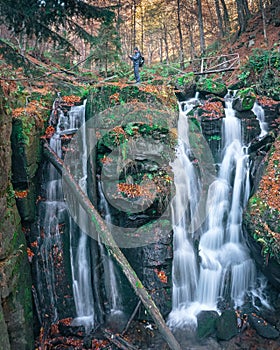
(141, 61)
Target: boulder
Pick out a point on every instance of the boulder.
(211, 87)
(263, 328)
(206, 323)
(244, 100)
(226, 325)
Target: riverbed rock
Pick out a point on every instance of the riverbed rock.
(206, 323)
(226, 325)
(244, 99)
(262, 327)
(207, 86)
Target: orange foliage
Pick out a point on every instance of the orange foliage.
(21, 194)
(214, 109)
(134, 190)
(8, 87)
(106, 160)
(50, 130)
(115, 97)
(162, 92)
(161, 275)
(270, 182)
(30, 254)
(71, 99)
(33, 109)
(266, 101)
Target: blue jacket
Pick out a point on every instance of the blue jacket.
(136, 58)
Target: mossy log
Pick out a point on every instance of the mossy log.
(112, 248)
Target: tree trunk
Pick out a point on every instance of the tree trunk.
(201, 28)
(225, 17)
(181, 52)
(166, 44)
(262, 8)
(219, 18)
(113, 249)
(243, 14)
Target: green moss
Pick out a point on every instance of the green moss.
(247, 97)
(211, 86)
(185, 79)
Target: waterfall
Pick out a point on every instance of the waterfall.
(49, 241)
(184, 268)
(111, 285)
(52, 211)
(259, 113)
(221, 269)
(80, 252)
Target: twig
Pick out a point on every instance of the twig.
(131, 317)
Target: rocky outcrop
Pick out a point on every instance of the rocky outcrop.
(244, 100)
(134, 145)
(16, 317)
(261, 219)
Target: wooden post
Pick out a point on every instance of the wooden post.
(112, 248)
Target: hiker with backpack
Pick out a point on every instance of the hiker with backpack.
(137, 62)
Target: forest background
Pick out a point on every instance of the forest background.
(94, 38)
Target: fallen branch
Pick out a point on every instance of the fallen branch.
(112, 248)
(118, 341)
(131, 317)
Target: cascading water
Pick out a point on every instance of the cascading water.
(52, 213)
(49, 241)
(79, 240)
(259, 113)
(111, 285)
(221, 268)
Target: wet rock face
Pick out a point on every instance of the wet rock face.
(16, 318)
(26, 155)
(261, 218)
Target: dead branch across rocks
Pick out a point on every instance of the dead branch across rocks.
(112, 247)
(118, 341)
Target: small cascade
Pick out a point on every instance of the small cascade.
(224, 269)
(259, 113)
(184, 268)
(53, 212)
(79, 241)
(111, 285)
(49, 240)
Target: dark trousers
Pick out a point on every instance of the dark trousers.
(136, 73)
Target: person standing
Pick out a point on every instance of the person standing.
(136, 59)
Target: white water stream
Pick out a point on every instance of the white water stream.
(221, 267)
(111, 285)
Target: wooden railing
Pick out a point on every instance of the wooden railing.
(215, 64)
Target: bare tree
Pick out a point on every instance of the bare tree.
(262, 8)
(201, 27)
(243, 14)
(181, 47)
(219, 18)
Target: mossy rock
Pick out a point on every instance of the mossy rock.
(226, 325)
(107, 96)
(210, 86)
(206, 323)
(244, 100)
(185, 80)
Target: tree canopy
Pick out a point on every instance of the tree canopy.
(45, 18)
